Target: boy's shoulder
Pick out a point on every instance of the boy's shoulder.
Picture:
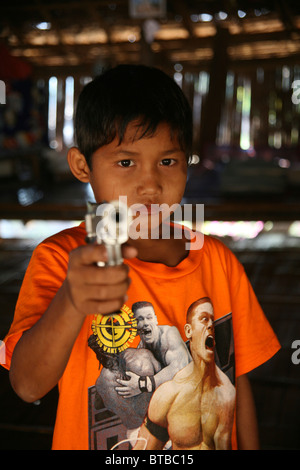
(218, 252)
(65, 240)
(213, 244)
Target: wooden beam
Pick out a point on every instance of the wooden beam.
(223, 211)
(217, 86)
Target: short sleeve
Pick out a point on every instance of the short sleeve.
(254, 339)
(44, 276)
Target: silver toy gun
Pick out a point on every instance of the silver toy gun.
(108, 223)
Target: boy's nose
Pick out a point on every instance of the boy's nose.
(149, 183)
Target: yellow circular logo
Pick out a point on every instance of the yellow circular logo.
(115, 332)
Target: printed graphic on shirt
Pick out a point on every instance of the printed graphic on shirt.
(114, 333)
(168, 391)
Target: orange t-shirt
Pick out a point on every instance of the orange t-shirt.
(120, 363)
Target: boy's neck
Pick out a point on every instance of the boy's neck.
(169, 252)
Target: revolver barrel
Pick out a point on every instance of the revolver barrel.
(108, 224)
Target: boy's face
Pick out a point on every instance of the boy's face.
(150, 170)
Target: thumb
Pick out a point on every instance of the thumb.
(129, 251)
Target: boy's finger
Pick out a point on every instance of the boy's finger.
(93, 275)
(88, 254)
(91, 254)
(129, 251)
(107, 292)
(105, 307)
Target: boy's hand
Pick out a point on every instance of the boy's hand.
(92, 289)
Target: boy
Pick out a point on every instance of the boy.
(133, 128)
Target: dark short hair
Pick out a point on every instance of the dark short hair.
(141, 304)
(127, 93)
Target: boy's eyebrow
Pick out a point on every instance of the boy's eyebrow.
(123, 151)
(171, 151)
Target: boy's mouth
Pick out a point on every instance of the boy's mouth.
(148, 208)
(152, 208)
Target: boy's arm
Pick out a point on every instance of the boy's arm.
(246, 423)
(41, 355)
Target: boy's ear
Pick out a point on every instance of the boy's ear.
(78, 165)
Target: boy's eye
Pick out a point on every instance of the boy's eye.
(125, 163)
(167, 161)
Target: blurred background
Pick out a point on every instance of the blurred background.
(238, 61)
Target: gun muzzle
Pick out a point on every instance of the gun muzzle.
(108, 224)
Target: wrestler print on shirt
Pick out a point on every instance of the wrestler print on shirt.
(134, 381)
